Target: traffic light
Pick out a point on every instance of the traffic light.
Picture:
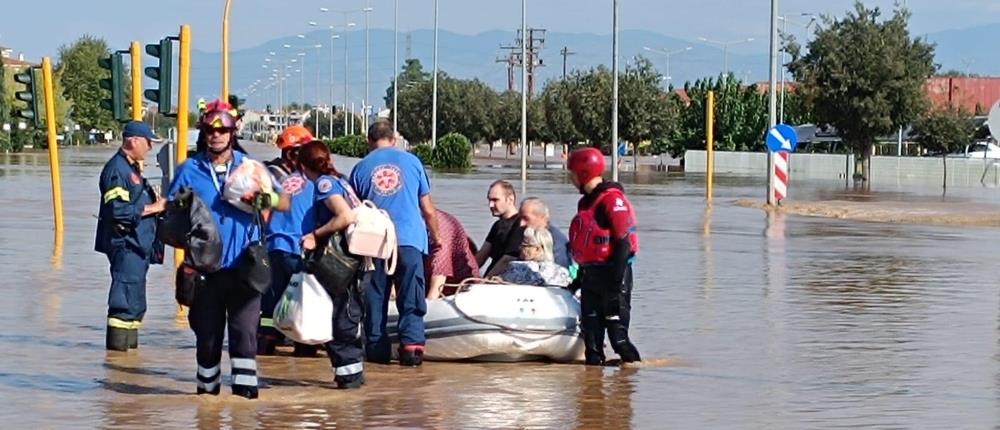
(162, 74)
(31, 96)
(115, 104)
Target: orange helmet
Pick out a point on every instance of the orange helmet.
(294, 136)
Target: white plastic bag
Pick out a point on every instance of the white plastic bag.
(250, 177)
(305, 311)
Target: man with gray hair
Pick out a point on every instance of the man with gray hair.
(535, 214)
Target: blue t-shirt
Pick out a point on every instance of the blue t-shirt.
(285, 229)
(327, 186)
(560, 247)
(395, 180)
(234, 224)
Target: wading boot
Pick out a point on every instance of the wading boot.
(245, 392)
(303, 350)
(133, 338)
(117, 339)
(411, 355)
(214, 392)
(266, 345)
(356, 383)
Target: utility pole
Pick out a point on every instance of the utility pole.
(565, 52)
(524, 53)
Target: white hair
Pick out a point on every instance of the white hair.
(543, 239)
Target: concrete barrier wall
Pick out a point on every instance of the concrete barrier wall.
(929, 170)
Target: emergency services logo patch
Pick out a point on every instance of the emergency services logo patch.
(619, 205)
(293, 184)
(387, 179)
(324, 185)
(135, 178)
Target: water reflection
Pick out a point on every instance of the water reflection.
(784, 322)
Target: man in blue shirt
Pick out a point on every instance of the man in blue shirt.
(395, 180)
(126, 233)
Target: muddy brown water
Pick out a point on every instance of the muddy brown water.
(749, 321)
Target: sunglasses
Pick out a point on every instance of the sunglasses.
(212, 131)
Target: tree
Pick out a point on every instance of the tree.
(5, 108)
(643, 108)
(324, 124)
(558, 116)
(412, 73)
(864, 76)
(740, 116)
(80, 80)
(946, 130)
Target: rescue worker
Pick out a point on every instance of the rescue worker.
(126, 233)
(395, 180)
(603, 241)
(284, 235)
(334, 202)
(225, 298)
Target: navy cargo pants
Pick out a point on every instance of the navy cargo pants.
(411, 296)
(224, 301)
(346, 350)
(127, 298)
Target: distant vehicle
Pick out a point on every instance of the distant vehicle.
(983, 149)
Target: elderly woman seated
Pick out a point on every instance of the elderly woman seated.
(537, 265)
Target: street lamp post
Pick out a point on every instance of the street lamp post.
(395, 65)
(784, 24)
(524, 95)
(614, 95)
(725, 48)
(668, 54)
(434, 84)
(367, 11)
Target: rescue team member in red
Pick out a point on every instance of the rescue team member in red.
(603, 242)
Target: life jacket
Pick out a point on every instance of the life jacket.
(590, 231)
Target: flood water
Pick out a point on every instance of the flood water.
(749, 321)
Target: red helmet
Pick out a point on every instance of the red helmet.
(586, 164)
(218, 114)
(294, 136)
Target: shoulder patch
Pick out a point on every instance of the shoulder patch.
(324, 185)
(134, 177)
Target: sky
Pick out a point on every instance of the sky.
(256, 21)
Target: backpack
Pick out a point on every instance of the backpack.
(373, 235)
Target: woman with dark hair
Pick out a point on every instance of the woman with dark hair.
(333, 213)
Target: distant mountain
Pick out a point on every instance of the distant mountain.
(475, 56)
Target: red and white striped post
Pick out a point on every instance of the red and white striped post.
(779, 176)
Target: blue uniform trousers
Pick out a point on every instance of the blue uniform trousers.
(410, 302)
(226, 300)
(127, 298)
(346, 350)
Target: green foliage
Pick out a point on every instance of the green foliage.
(348, 146)
(864, 75)
(740, 117)
(324, 124)
(453, 151)
(464, 106)
(424, 152)
(945, 130)
(5, 108)
(80, 81)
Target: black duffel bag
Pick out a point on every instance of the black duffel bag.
(254, 264)
(187, 283)
(188, 224)
(334, 267)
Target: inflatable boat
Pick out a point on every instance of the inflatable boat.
(501, 322)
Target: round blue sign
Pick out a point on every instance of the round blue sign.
(782, 138)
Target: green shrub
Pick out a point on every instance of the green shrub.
(424, 152)
(453, 151)
(348, 146)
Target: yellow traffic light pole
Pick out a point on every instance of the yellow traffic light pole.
(50, 123)
(183, 83)
(225, 51)
(134, 50)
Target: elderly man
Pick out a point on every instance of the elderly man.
(126, 233)
(535, 214)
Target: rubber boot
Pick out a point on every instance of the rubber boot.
(266, 345)
(133, 338)
(214, 392)
(245, 392)
(303, 350)
(117, 339)
(356, 383)
(411, 355)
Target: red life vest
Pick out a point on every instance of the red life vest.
(589, 241)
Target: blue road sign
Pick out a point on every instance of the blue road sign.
(782, 138)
